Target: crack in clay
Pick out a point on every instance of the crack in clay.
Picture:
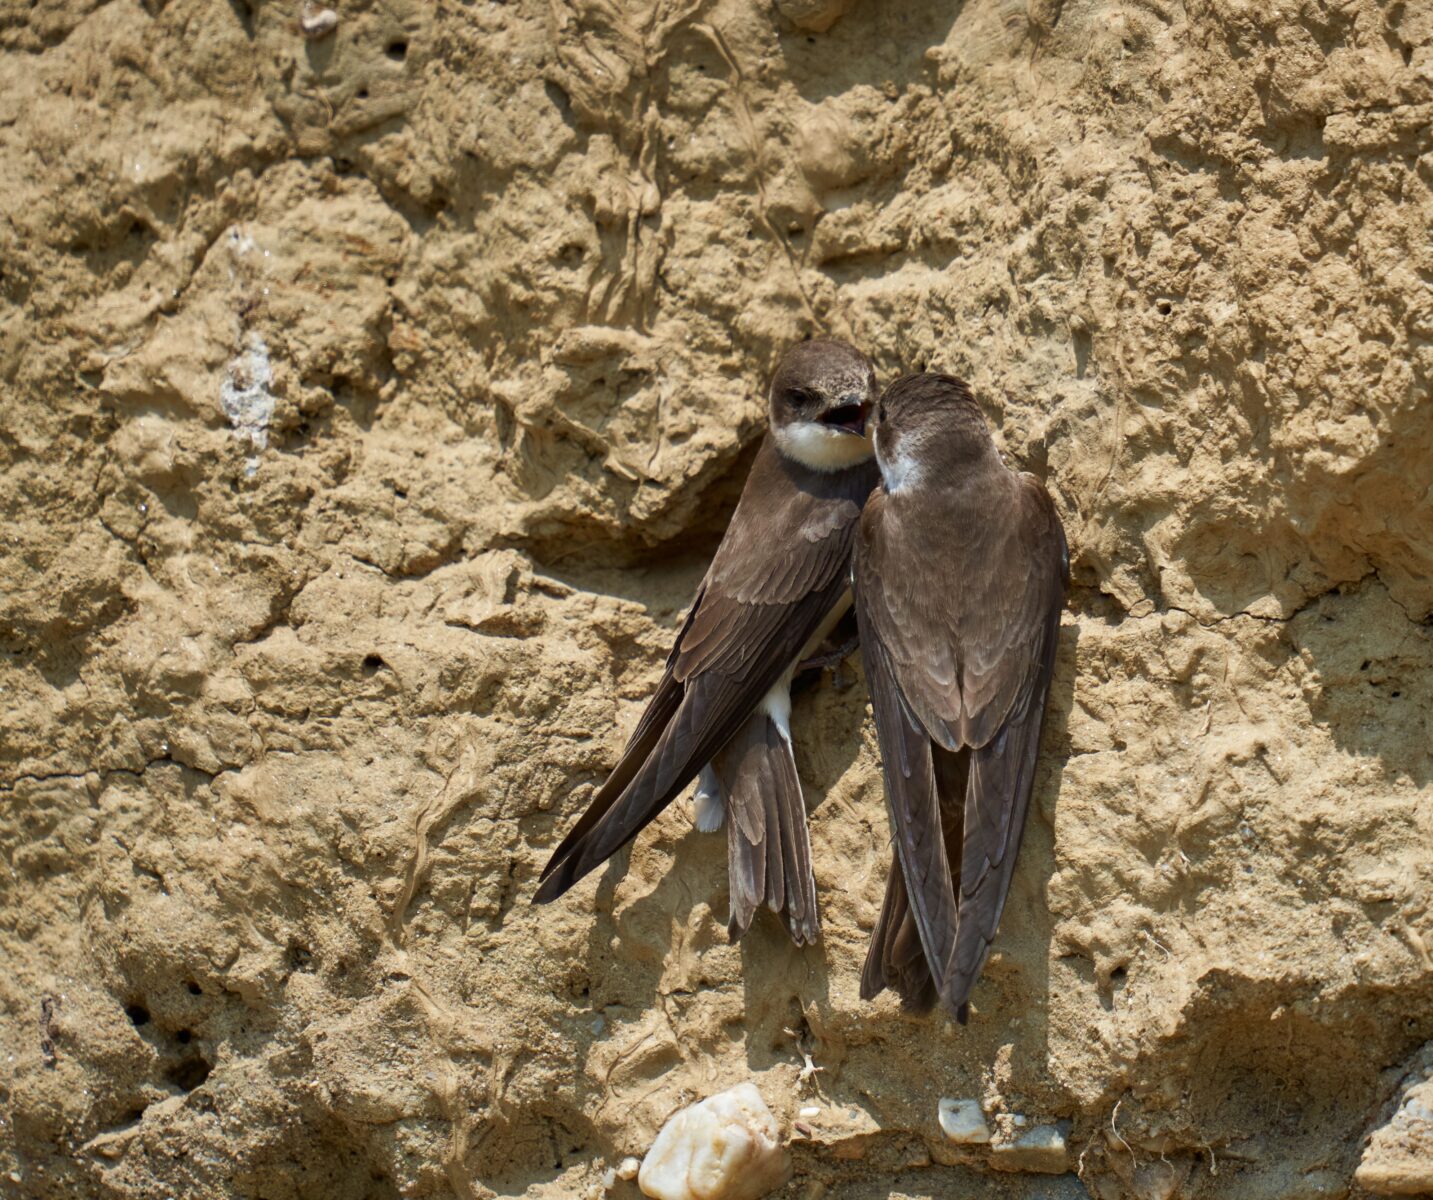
(1243, 614)
(104, 775)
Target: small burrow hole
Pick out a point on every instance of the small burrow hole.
(194, 988)
(373, 664)
(189, 1074)
(397, 50)
(138, 1015)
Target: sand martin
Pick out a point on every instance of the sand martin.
(959, 574)
(777, 586)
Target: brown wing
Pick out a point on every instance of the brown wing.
(896, 958)
(778, 572)
(958, 593)
(655, 717)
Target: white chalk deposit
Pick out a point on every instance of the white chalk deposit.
(726, 1147)
(245, 397)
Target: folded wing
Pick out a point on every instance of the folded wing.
(959, 615)
(777, 574)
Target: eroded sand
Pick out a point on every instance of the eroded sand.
(371, 406)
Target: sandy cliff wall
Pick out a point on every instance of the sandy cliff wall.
(369, 406)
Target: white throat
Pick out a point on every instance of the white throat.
(900, 472)
(822, 449)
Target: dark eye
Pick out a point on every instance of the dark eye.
(802, 397)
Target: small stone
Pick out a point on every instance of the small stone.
(727, 1147)
(317, 23)
(814, 16)
(1399, 1157)
(628, 1167)
(963, 1121)
(811, 1110)
(1039, 1149)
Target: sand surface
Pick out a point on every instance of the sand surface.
(369, 409)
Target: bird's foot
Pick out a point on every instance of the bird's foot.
(831, 658)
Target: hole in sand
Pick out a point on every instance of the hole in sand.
(189, 1074)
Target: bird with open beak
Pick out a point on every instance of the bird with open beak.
(776, 588)
(959, 573)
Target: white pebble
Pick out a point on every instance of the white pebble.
(628, 1167)
(811, 1110)
(963, 1121)
(318, 22)
(727, 1147)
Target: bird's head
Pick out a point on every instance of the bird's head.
(821, 396)
(928, 421)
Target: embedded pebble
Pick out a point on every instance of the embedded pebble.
(1040, 1149)
(318, 22)
(811, 1110)
(814, 16)
(963, 1121)
(727, 1147)
(628, 1167)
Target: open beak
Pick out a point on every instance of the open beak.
(848, 417)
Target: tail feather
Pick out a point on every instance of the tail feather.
(768, 844)
(896, 959)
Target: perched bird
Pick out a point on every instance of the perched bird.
(778, 584)
(959, 574)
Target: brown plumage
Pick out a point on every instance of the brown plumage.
(960, 572)
(779, 574)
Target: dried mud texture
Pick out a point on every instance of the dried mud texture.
(371, 405)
